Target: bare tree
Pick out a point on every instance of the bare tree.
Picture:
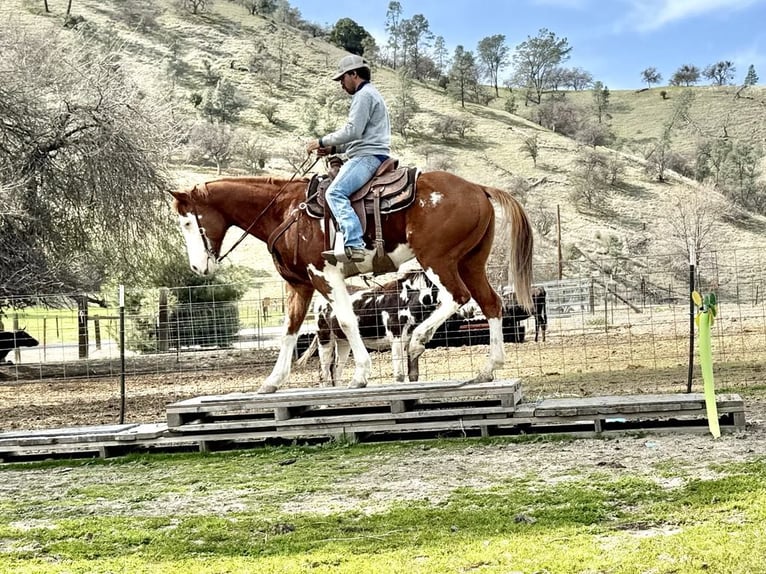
(690, 226)
(531, 148)
(80, 149)
(214, 142)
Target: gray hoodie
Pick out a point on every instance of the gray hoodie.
(368, 129)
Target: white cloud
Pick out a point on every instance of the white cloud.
(648, 15)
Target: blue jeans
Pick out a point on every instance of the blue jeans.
(352, 175)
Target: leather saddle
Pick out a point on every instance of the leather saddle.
(392, 188)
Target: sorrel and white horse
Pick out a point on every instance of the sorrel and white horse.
(449, 229)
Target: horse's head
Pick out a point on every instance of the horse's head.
(203, 228)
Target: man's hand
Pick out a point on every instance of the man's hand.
(313, 145)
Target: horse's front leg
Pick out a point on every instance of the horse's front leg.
(298, 300)
(344, 313)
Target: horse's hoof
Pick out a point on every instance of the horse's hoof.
(357, 384)
(267, 388)
(480, 378)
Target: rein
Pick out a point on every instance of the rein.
(268, 205)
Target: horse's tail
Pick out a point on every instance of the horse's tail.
(520, 261)
(308, 353)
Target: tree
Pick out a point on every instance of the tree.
(214, 142)
(536, 57)
(651, 76)
(393, 20)
(720, 73)
(464, 76)
(493, 54)
(751, 78)
(576, 78)
(222, 103)
(349, 35)
(82, 165)
(600, 100)
(416, 37)
(440, 54)
(686, 75)
(531, 148)
(690, 226)
(195, 6)
(260, 7)
(403, 106)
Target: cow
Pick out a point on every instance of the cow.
(387, 315)
(513, 309)
(10, 340)
(541, 312)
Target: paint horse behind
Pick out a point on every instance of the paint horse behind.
(449, 228)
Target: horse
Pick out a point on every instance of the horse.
(449, 229)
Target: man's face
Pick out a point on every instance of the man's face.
(347, 82)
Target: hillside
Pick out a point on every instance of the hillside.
(630, 221)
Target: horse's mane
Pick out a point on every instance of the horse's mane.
(201, 191)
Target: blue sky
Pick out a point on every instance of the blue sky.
(612, 39)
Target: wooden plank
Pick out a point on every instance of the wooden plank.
(338, 396)
(350, 419)
(627, 404)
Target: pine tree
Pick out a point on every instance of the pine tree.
(751, 78)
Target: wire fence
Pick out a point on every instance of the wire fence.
(609, 321)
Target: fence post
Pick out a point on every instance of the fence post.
(16, 350)
(122, 353)
(97, 332)
(82, 326)
(162, 332)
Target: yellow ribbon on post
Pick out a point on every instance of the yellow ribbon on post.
(705, 318)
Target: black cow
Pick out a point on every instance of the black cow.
(541, 310)
(10, 340)
(387, 315)
(513, 309)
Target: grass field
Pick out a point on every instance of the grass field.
(330, 509)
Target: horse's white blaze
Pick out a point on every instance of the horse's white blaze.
(201, 260)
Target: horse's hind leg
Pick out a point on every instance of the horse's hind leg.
(474, 275)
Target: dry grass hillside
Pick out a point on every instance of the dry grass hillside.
(631, 220)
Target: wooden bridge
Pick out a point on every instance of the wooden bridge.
(383, 412)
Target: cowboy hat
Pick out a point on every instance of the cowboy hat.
(349, 63)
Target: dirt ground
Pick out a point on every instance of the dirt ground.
(645, 353)
(546, 370)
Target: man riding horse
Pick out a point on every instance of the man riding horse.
(366, 140)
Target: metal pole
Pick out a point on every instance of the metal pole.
(691, 321)
(122, 354)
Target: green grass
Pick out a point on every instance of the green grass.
(115, 516)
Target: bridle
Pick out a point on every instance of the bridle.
(206, 241)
